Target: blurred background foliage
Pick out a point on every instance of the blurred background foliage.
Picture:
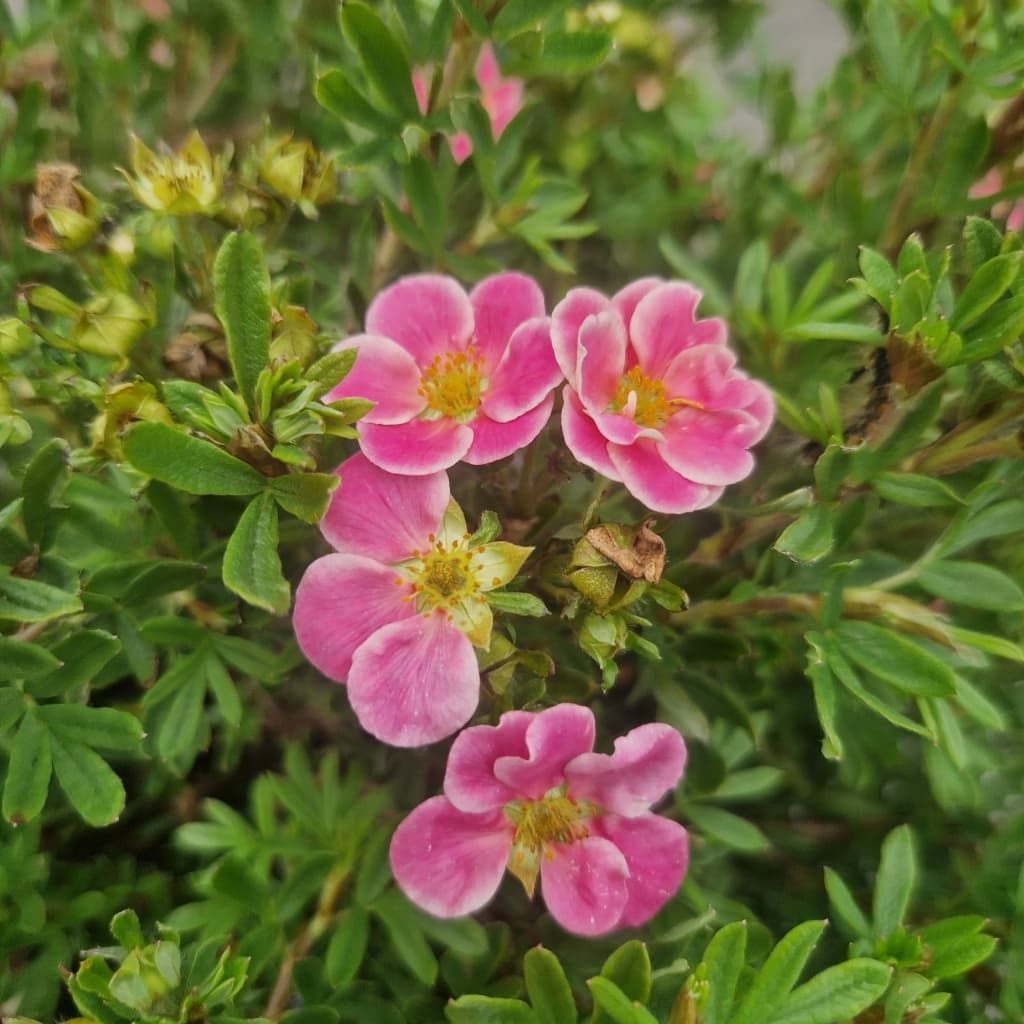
(849, 661)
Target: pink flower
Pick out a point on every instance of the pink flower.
(397, 610)
(654, 399)
(988, 185)
(454, 376)
(529, 795)
(501, 98)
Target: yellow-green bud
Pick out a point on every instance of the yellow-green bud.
(184, 182)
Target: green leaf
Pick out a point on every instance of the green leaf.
(985, 288)
(401, 921)
(242, 287)
(82, 654)
(971, 527)
(845, 907)
(28, 772)
(45, 479)
(548, 988)
(32, 601)
(880, 276)
(382, 58)
(572, 53)
(330, 370)
(12, 706)
(629, 967)
(723, 963)
(181, 720)
(982, 240)
(862, 334)
(616, 1004)
(824, 687)
(837, 994)
(915, 490)
(896, 659)
(809, 538)
(336, 93)
(224, 691)
(252, 568)
(895, 882)
(187, 463)
(88, 782)
(488, 1010)
(305, 495)
(518, 15)
(779, 974)
(21, 660)
(347, 947)
(126, 929)
(972, 584)
(419, 180)
(728, 828)
(516, 603)
(105, 728)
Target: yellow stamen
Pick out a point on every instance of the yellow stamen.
(452, 384)
(646, 401)
(555, 818)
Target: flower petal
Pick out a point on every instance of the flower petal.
(461, 146)
(700, 374)
(566, 320)
(421, 77)
(656, 851)
(625, 301)
(601, 359)
(582, 437)
(416, 448)
(415, 681)
(708, 447)
(500, 304)
(448, 862)
(646, 764)
(469, 780)
(382, 515)
(493, 440)
(384, 373)
(585, 885)
(620, 429)
(650, 479)
(663, 325)
(553, 739)
(340, 602)
(427, 314)
(526, 374)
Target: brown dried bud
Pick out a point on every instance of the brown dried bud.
(199, 352)
(61, 214)
(641, 557)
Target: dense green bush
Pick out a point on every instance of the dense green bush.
(195, 827)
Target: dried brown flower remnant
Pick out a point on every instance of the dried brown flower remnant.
(199, 352)
(644, 559)
(61, 214)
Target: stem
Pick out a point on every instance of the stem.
(326, 908)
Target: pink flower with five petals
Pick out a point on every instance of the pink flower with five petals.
(454, 377)
(654, 399)
(530, 795)
(501, 98)
(398, 609)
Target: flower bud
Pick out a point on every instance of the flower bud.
(63, 216)
(298, 172)
(110, 324)
(15, 337)
(294, 336)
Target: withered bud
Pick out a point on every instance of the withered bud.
(199, 352)
(638, 553)
(62, 216)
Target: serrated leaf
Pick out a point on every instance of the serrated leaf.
(252, 567)
(187, 463)
(28, 772)
(242, 287)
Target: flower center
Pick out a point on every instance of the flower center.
(452, 384)
(442, 576)
(645, 400)
(555, 818)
